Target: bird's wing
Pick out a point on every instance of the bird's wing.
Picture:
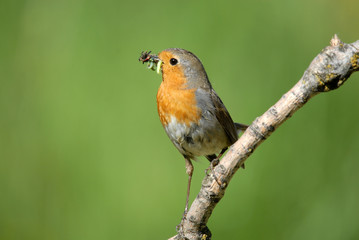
(224, 118)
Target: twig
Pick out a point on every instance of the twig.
(328, 71)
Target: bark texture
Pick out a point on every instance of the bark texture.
(328, 71)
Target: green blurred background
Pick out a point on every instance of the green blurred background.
(84, 156)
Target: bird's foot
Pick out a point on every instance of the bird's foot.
(211, 167)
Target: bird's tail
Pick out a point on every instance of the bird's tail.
(240, 127)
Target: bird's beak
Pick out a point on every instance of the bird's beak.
(154, 62)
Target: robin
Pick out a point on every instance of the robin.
(192, 114)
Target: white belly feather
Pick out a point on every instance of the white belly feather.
(195, 141)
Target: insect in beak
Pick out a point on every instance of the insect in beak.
(154, 62)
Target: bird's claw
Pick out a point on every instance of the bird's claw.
(211, 167)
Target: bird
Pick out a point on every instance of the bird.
(192, 114)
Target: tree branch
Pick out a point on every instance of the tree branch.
(328, 71)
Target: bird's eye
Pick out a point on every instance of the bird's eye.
(173, 61)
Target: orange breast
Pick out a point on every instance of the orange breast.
(180, 104)
(174, 99)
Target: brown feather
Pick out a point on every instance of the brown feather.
(224, 118)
